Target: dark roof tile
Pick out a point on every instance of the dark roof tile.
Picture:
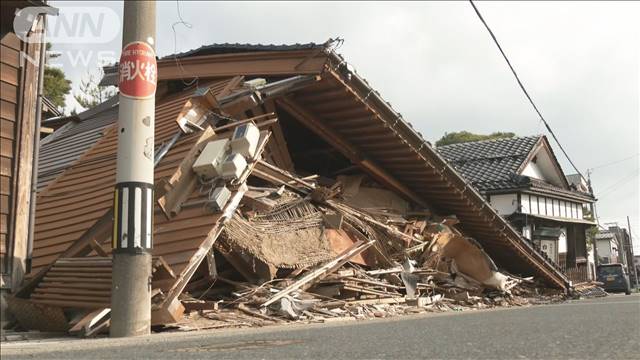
(490, 164)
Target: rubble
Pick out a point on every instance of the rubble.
(303, 252)
(293, 250)
(260, 245)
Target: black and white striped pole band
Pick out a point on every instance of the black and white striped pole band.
(133, 217)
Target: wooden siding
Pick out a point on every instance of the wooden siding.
(9, 80)
(18, 100)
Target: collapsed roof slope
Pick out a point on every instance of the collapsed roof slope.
(346, 112)
(80, 199)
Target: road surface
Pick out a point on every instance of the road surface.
(606, 328)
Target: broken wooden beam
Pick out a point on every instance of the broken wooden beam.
(313, 276)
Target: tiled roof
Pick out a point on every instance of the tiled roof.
(229, 48)
(491, 164)
(545, 186)
(605, 235)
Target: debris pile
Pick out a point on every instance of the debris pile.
(240, 242)
(589, 289)
(328, 250)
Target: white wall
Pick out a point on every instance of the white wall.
(505, 204)
(524, 204)
(543, 205)
(562, 241)
(544, 169)
(605, 249)
(532, 170)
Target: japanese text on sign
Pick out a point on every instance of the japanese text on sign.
(138, 71)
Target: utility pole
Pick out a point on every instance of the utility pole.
(633, 258)
(594, 242)
(133, 198)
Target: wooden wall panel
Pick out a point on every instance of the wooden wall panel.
(16, 150)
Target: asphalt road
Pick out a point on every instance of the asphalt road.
(607, 328)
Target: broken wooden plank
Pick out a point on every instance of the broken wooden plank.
(234, 124)
(315, 275)
(183, 181)
(246, 310)
(86, 326)
(200, 305)
(228, 211)
(392, 300)
(287, 175)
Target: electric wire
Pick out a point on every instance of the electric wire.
(188, 25)
(616, 186)
(614, 162)
(524, 90)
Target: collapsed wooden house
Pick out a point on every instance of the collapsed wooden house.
(330, 122)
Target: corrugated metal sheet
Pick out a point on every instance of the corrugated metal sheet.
(70, 143)
(84, 192)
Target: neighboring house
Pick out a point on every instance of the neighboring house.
(21, 68)
(608, 247)
(524, 182)
(623, 246)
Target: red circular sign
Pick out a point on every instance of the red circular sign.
(138, 71)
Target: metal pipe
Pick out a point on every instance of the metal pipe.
(165, 148)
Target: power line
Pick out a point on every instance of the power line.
(495, 40)
(612, 188)
(614, 162)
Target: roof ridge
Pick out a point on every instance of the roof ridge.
(491, 140)
(497, 157)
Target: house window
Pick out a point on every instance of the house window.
(534, 205)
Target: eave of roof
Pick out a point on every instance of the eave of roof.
(554, 219)
(528, 188)
(305, 61)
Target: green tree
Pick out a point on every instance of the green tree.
(56, 85)
(91, 93)
(465, 136)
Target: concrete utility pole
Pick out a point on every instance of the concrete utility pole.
(133, 198)
(633, 258)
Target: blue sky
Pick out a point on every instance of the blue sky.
(437, 65)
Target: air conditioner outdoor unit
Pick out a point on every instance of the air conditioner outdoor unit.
(207, 165)
(233, 166)
(245, 140)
